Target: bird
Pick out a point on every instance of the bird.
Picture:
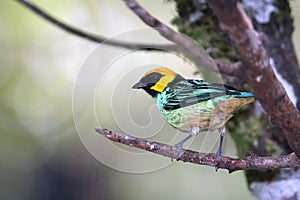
(193, 105)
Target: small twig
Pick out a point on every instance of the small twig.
(229, 69)
(250, 161)
(91, 36)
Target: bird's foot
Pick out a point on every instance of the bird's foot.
(179, 145)
(219, 154)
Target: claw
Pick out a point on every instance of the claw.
(217, 166)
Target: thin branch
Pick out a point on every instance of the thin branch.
(229, 69)
(91, 36)
(222, 67)
(250, 161)
(191, 48)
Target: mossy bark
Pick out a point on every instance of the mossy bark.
(251, 128)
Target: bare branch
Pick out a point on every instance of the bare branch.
(229, 69)
(91, 36)
(250, 161)
(191, 48)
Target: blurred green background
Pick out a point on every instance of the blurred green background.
(41, 154)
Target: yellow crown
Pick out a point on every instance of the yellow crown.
(167, 77)
(162, 70)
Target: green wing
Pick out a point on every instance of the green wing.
(190, 92)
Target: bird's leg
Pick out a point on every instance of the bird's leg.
(219, 152)
(179, 145)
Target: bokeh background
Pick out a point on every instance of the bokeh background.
(42, 155)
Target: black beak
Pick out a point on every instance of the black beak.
(139, 85)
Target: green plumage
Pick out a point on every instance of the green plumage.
(193, 102)
(193, 105)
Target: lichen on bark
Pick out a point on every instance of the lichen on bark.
(250, 131)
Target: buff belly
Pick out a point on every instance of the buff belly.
(207, 115)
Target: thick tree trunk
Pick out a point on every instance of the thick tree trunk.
(254, 130)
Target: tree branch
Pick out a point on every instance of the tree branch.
(191, 48)
(229, 69)
(250, 161)
(279, 43)
(91, 36)
(257, 69)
